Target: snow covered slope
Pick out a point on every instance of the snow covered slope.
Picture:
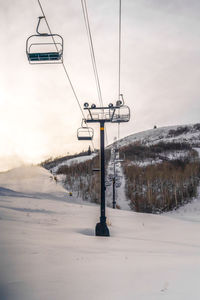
(183, 133)
(179, 134)
(48, 250)
(120, 195)
(72, 161)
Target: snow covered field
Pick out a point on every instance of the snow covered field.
(48, 250)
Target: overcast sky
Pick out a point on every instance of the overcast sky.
(160, 72)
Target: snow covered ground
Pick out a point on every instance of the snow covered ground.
(48, 250)
(189, 212)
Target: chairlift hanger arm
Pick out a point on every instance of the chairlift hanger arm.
(113, 114)
(90, 114)
(37, 29)
(121, 98)
(83, 123)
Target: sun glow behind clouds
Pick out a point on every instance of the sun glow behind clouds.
(34, 130)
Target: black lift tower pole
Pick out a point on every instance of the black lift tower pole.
(113, 114)
(102, 228)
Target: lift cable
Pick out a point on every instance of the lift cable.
(91, 46)
(87, 25)
(64, 67)
(119, 58)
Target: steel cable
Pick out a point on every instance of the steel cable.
(64, 67)
(91, 46)
(119, 58)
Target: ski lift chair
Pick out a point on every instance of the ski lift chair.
(44, 48)
(108, 183)
(120, 114)
(85, 133)
(118, 184)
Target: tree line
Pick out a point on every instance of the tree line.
(81, 180)
(164, 186)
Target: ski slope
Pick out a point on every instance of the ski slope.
(48, 250)
(162, 134)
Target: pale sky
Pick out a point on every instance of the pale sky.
(159, 80)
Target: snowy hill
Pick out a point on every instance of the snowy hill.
(175, 144)
(184, 133)
(48, 249)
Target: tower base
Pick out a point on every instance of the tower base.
(102, 230)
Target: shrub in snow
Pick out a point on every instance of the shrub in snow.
(180, 130)
(197, 126)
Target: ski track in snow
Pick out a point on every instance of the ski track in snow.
(48, 250)
(120, 197)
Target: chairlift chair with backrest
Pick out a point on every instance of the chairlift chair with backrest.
(44, 48)
(121, 112)
(85, 133)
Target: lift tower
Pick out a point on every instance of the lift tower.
(110, 114)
